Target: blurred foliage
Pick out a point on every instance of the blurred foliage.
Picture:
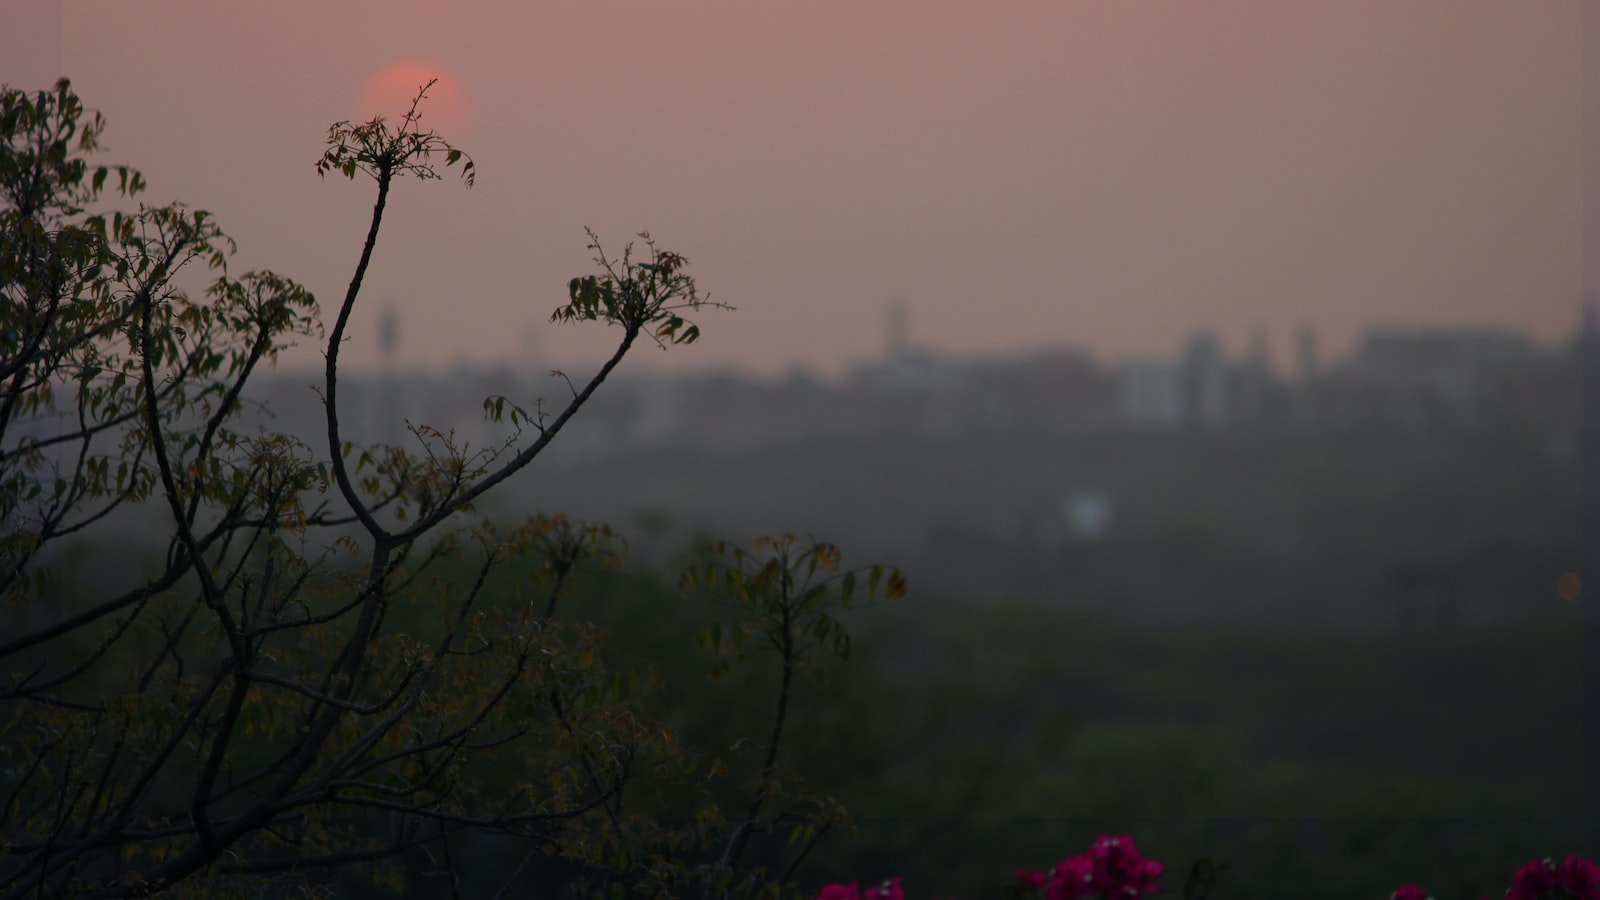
(973, 740)
(335, 670)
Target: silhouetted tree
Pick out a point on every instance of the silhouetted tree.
(322, 670)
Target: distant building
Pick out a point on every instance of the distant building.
(1208, 395)
(1201, 388)
(1150, 393)
(1422, 382)
(1427, 379)
(909, 371)
(1306, 347)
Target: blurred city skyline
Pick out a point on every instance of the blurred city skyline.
(1016, 177)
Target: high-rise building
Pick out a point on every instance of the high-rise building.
(1307, 347)
(896, 331)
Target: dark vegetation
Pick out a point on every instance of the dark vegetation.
(332, 666)
(975, 739)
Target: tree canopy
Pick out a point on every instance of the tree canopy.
(335, 660)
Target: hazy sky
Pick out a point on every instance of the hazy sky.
(1021, 175)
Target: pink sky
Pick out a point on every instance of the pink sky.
(1021, 175)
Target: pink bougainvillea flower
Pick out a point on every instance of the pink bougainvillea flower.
(1119, 869)
(1532, 880)
(889, 890)
(1142, 879)
(850, 891)
(1112, 867)
(1579, 877)
(1071, 879)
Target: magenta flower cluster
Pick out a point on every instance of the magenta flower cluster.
(1576, 878)
(889, 890)
(1112, 869)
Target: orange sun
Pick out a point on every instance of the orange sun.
(388, 92)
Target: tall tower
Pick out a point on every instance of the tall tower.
(387, 428)
(896, 330)
(1258, 349)
(1307, 344)
(388, 337)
